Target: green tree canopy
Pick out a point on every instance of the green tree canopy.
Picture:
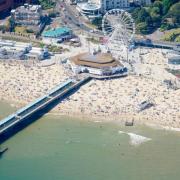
(162, 13)
(142, 15)
(167, 4)
(142, 28)
(155, 11)
(159, 5)
(135, 13)
(174, 12)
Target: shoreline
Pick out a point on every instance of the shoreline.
(120, 120)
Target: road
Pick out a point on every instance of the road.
(160, 44)
(73, 19)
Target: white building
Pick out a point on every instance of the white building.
(94, 6)
(21, 51)
(113, 4)
(89, 9)
(27, 15)
(141, 2)
(99, 64)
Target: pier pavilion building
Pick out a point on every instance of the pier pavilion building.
(99, 64)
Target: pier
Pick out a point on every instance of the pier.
(58, 93)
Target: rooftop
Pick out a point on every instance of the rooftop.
(27, 8)
(56, 32)
(89, 6)
(100, 60)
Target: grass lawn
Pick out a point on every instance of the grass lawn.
(173, 35)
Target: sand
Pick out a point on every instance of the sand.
(23, 84)
(120, 98)
(114, 99)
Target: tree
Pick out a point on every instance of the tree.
(174, 13)
(142, 28)
(162, 13)
(159, 5)
(11, 24)
(167, 4)
(97, 21)
(29, 30)
(52, 14)
(135, 13)
(149, 21)
(2, 28)
(155, 10)
(47, 4)
(142, 15)
(156, 17)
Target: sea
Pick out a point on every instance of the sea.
(62, 148)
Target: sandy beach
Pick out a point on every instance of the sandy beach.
(119, 98)
(114, 99)
(23, 84)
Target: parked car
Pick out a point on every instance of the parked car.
(59, 41)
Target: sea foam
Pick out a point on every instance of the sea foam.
(135, 139)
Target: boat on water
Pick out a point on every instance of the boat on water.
(3, 150)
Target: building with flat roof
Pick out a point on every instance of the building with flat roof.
(21, 51)
(89, 9)
(141, 2)
(114, 4)
(101, 64)
(61, 33)
(27, 15)
(93, 7)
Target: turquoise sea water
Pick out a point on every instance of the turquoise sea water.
(61, 148)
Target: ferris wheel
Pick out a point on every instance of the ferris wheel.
(118, 27)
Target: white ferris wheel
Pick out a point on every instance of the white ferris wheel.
(119, 28)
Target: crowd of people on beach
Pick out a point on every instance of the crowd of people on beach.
(111, 99)
(120, 98)
(23, 84)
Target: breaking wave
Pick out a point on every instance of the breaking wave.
(135, 139)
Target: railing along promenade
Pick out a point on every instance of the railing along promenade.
(158, 44)
(58, 92)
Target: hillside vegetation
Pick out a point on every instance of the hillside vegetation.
(173, 36)
(47, 4)
(163, 14)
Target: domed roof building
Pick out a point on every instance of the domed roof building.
(100, 64)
